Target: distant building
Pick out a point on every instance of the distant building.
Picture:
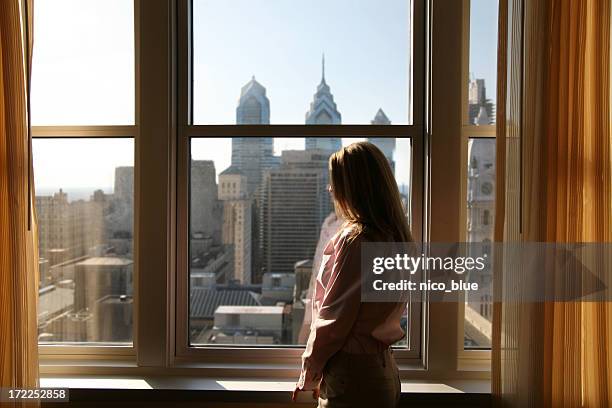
(380, 118)
(236, 229)
(295, 202)
(54, 305)
(250, 325)
(477, 91)
(85, 251)
(253, 155)
(323, 111)
(203, 302)
(481, 111)
(119, 218)
(205, 207)
(385, 144)
(98, 277)
(277, 288)
(70, 310)
(114, 319)
(124, 183)
(214, 259)
(198, 280)
(253, 105)
(67, 230)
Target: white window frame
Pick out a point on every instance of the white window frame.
(53, 353)
(473, 359)
(287, 354)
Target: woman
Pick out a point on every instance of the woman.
(348, 361)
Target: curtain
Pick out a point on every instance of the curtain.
(18, 241)
(555, 172)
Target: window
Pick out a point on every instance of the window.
(479, 214)
(83, 152)
(482, 80)
(253, 171)
(83, 63)
(213, 235)
(260, 244)
(478, 142)
(84, 208)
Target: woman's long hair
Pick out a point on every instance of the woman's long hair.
(366, 195)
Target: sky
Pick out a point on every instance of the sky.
(281, 42)
(83, 71)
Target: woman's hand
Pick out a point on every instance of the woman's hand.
(315, 394)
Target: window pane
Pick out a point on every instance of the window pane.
(261, 216)
(480, 228)
(483, 62)
(84, 208)
(83, 62)
(260, 61)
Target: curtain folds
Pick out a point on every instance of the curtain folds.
(18, 241)
(554, 158)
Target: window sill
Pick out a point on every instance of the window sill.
(473, 393)
(113, 368)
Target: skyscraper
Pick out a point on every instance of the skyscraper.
(385, 144)
(481, 109)
(323, 111)
(120, 221)
(253, 106)
(295, 204)
(253, 155)
(477, 91)
(237, 214)
(205, 207)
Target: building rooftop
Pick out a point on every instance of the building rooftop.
(116, 299)
(250, 309)
(106, 261)
(205, 301)
(254, 87)
(231, 170)
(381, 118)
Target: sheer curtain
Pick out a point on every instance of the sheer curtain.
(18, 243)
(554, 166)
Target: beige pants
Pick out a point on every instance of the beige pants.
(360, 380)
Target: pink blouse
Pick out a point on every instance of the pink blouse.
(340, 320)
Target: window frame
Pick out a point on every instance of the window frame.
(478, 359)
(161, 117)
(290, 353)
(48, 353)
(51, 351)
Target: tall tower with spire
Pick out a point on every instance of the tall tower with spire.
(323, 111)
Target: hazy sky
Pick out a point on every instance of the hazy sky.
(83, 72)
